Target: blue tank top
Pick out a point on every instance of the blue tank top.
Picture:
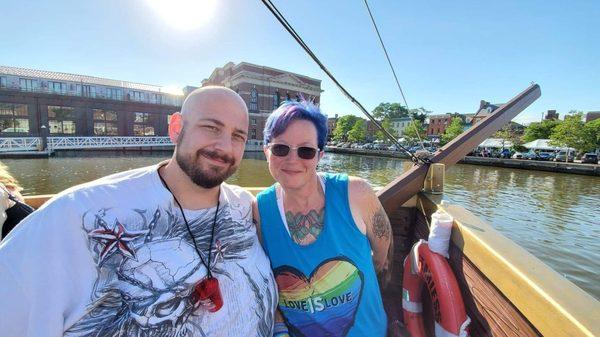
(329, 287)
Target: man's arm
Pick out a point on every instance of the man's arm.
(366, 206)
(256, 219)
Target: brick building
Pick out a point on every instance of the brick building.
(44, 103)
(263, 89)
(438, 123)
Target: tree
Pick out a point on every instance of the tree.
(572, 133)
(358, 132)
(593, 128)
(539, 130)
(343, 126)
(389, 111)
(414, 128)
(453, 130)
(387, 124)
(419, 114)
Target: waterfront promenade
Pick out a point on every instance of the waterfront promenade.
(549, 166)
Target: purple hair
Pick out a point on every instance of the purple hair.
(289, 111)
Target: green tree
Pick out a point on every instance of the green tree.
(389, 110)
(343, 126)
(593, 128)
(414, 128)
(419, 114)
(358, 133)
(387, 124)
(573, 133)
(539, 130)
(453, 130)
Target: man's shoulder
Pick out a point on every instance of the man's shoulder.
(238, 192)
(126, 180)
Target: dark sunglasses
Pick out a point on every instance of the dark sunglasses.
(282, 150)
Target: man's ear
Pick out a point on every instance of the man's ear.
(175, 127)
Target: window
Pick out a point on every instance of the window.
(14, 118)
(253, 134)
(252, 121)
(276, 100)
(105, 122)
(113, 93)
(57, 87)
(253, 100)
(28, 84)
(144, 124)
(62, 120)
(88, 91)
(2, 82)
(137, 96)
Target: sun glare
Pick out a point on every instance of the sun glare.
(184, 14)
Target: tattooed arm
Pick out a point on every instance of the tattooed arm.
(373, 221)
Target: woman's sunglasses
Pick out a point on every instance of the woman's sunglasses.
(282, 150)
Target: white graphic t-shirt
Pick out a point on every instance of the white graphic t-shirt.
(113, 257)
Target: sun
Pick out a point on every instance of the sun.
(184, 14)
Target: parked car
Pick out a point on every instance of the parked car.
(562, 156)
(517, 155)
(545, 156)
(392, 148)
(505, 153)
(531, 156)
(380, 146)
(590, 158)
(369, 146)
(354, 145)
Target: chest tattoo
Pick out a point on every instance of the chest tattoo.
(305, 228)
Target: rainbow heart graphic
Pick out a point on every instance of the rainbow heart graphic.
(324, 304)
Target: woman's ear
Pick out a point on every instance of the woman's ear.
(175, 127)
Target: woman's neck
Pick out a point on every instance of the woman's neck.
(309, 196)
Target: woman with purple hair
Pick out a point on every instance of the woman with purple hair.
(327, 235)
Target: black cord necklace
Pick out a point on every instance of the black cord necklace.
(208, 289)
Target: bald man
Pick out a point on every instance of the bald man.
(165, 250)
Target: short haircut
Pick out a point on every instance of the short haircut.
(289, 111)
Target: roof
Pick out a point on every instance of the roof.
(58, 76)
(496, 143)
(543, 144)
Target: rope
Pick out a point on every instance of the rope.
(273, 9)
(394, 73)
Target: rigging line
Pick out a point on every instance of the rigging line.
(393, 72)
(279, 16)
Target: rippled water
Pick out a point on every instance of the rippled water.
(554, 216)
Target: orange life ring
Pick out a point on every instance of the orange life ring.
(422, 267)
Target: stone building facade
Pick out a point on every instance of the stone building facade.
(263, 89)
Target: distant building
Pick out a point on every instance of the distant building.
(45, 103)
(551, 115)
(485, 109)
(438, 123)
(263, 89)
(331, 123)
(400, 124)
(592, 115)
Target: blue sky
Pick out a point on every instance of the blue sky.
(448, 54)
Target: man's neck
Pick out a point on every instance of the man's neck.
(189, 195)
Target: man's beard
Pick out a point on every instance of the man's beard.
(202, 174)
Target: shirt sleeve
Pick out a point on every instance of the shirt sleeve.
(46, 273)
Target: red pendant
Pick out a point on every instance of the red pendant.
(209, 294)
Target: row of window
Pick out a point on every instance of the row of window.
(14, 118)
(253, 105)
(27, 84)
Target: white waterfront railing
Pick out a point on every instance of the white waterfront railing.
(60, 143)
(19, 144)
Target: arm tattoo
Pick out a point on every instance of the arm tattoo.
(305, 228)
(381, 224)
